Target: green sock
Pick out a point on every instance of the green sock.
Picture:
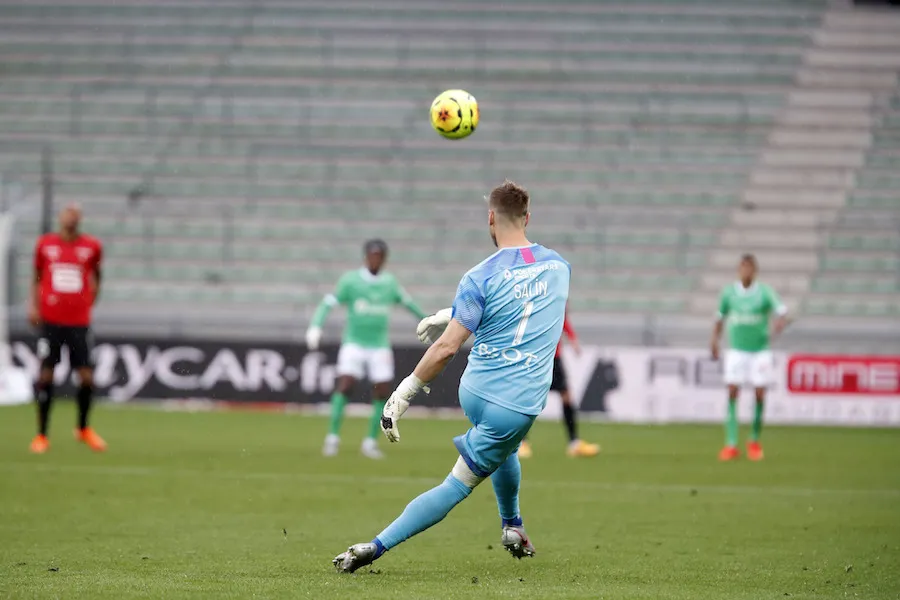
(731, 424)
(338, 402)
(375, 421)
(757, 422)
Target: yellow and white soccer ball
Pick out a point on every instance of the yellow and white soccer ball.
(454, 114)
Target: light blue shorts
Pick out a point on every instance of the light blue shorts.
(495, 435)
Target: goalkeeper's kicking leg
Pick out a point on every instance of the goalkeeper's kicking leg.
(424, 511)
(487, 449)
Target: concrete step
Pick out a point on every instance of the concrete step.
(829, 118)
(790, 284)
(834, 179)
(863, 21)
(845, 79)
(883, 299)
(829, 99)
(706, 304)
(709, 303)
(882, 255)
(770, 260)
(847, 159)
(785, 219)
(790, 137)
(776, 197)
(839, 38)
(846, 59)
(753, 240)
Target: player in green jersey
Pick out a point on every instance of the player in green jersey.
(745, 308)
(369, 293)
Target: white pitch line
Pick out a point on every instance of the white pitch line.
(137, 471)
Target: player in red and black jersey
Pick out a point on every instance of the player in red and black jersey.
(66, 284)
(577, 446)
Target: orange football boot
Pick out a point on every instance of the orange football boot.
(582, 449)
(729, 453)
(754, 451)
(90, 437)
(39, 444)
(525, 449)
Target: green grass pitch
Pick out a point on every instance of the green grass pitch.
(241, 505)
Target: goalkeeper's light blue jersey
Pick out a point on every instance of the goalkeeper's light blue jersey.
(515, 303)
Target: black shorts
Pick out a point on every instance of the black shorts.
(79, 341)
(559, 383)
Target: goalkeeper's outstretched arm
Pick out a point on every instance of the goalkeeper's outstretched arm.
(439, 353)
(430, 366)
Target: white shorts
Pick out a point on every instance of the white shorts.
(754, 369)
(359, 362)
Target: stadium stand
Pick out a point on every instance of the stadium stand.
(236, 153)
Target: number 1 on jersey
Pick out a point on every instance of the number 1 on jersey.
(523, 322)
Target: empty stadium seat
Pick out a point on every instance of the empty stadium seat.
(217, 171)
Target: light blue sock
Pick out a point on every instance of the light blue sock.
(506, 482)
(423, 512)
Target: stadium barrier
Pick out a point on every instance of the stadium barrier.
(639, 385)
(666, 385)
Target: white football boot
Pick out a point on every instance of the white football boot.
(330, 447)
(370, 449)
(516, 542)
(356, 557)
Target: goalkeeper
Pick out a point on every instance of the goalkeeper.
(369, 293)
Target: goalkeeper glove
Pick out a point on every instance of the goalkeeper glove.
(431, 328)
(397, 405)
(313, 337)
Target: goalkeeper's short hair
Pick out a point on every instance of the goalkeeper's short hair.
(510, 200)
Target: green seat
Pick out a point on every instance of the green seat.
(865, 242)
(861, 263)
(302, 148)
(862, 200)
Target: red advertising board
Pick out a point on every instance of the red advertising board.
(836, 374)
